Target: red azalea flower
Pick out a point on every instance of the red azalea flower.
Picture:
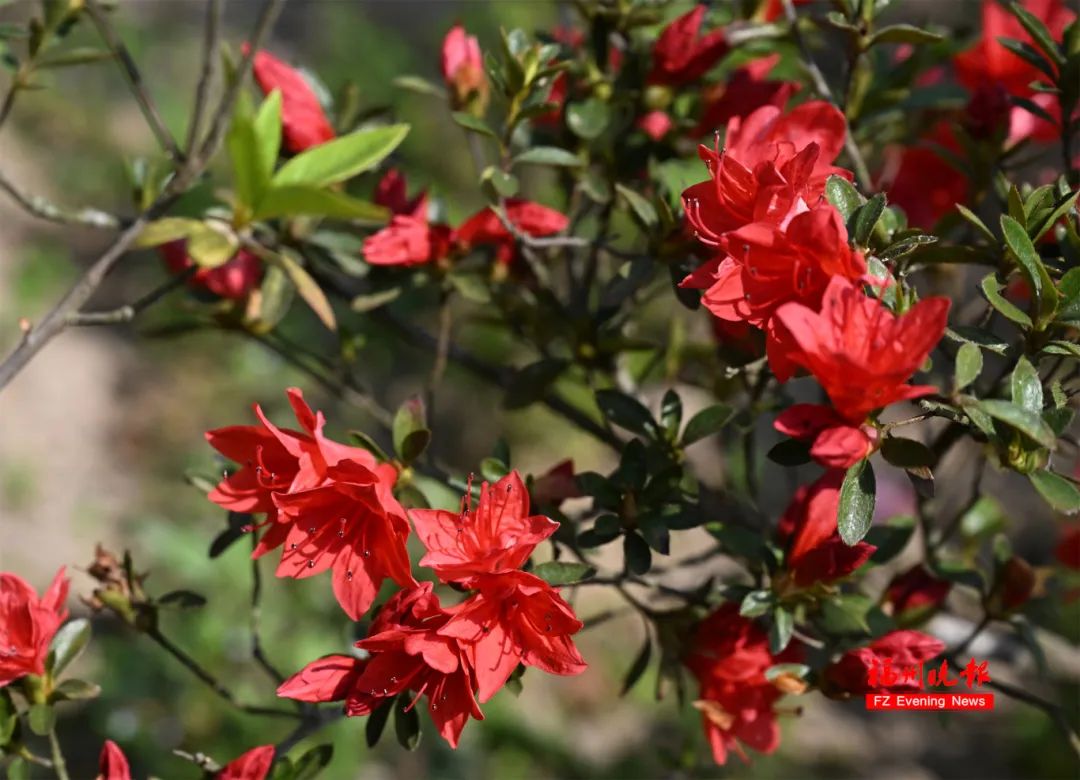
(303, 121)
(836, 444)
(351, 524)
(392, 192)
(655, 124)
(498, 535)
(233, 279)
(112, 763)
(681, 55)
(513, 618)
(329, 504)
(252, 765)
(988, 67)
(729, 655)
(411, 240)
(28, 624)
(816, 553)
(900, 650)
(463, 68)
(772, 166)
(771, 10)
(861, 353)
(555, 486)
(406, 653)
(916, 591)
(1068, 549)
(745, 90)
(926, 185)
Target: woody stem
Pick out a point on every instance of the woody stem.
(58, 763)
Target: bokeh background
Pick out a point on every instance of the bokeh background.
(101, 433)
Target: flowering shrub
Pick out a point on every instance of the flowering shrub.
(866, 274)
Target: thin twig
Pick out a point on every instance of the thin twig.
(862, 172)
(224, 693)
(256, 614)
(59, 765)
(135, 80)
(211, 34)
(42, 208)
(129, 311)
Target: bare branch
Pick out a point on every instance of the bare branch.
(42, 208)
(135, 80)
(211, 35)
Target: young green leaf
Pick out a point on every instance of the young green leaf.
(563, 572)
(705, 423)
(1060, 492)
(1023, 420)
(969, 364)
(294, 200)
(67, 643)
(548, 155)
(1027, 391)
(341, 158)
(857, 497)
(843, 196)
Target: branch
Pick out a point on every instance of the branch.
(57, 319)
(128, 312)
(224, 693)
(138, 87)
(42, 208)
(862, 173)
(211, 34)
(256, 613)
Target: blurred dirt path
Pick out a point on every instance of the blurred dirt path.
(61, 482)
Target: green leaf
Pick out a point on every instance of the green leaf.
(588, 119)
(1023, 420)
(75, 690)
(295, 200)
(254, 144)
(781, 629)
(756, 603)
(707, 422)
(642, 208)
(1069, 287)
(563, 572)
(341, 158)
(66, 645)
(41, 719)
(307, 287)
(374, 300)
(548, 155)
(312, 762)
(498, 183)
(991, 290)
(1038, 32)
(857, 496)
(410, 430)
(530, 383)
(626, 412)
(789, 452)
(979, 337)
(1061, 208)
(9, 716)
(903, 33)
(969, 364)
(80, 55)
(471, 286)
(638, 554)
(1043, 293)
(907, 453)
(184, 599)
(376, 723)
(843, 196)
(865, 217)
(796, 670)
(979, 225)
(846, 614)
(891, 538)
(406, 723)
(470, 122)
(982, 518)
(164, 230)
(671, 411)
(1060, 493)
(1027, 390)
(18, 769)
(212, 244)
(418, 85)
(638, 667)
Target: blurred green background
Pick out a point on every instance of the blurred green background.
(96, 437)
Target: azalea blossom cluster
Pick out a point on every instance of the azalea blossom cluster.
(331, 507)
